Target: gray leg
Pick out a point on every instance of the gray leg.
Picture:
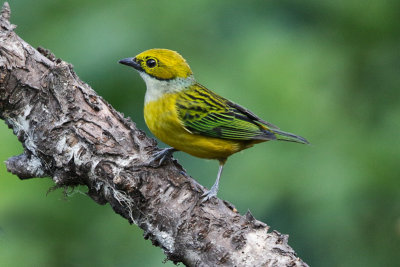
(214, 189)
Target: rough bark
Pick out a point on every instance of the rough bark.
(72, 135)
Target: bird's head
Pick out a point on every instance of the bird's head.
(162, 64)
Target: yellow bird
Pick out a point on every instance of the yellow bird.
(190, 118)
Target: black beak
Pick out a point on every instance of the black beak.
(131, 61)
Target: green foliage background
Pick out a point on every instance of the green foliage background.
(326, 70)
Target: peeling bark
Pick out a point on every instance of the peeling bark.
(74, 136)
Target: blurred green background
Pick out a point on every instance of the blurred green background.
(326, 70)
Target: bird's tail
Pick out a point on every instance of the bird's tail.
(284, 136)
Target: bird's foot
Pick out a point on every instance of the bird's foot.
(214, 189)
(161, 156)
(209, 194)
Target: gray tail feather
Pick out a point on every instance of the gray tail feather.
(289, 137)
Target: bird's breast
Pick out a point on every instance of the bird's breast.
(161, 117)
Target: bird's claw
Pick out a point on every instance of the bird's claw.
(161, 156)
(214, 189)
(209, 194)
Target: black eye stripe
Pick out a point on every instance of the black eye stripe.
(151, 63)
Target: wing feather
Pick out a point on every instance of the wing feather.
(204, 112)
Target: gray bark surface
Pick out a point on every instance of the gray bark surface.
(74, 136)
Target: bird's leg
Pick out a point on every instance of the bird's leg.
(162, 155)
(214, 189)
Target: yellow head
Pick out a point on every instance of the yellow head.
(163, 70)
(162, 64)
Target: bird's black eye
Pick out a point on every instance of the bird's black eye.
(151, 63)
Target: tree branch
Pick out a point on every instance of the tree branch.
(74, 136)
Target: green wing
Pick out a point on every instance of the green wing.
(204, 112)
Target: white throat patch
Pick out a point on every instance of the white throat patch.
(157, 88)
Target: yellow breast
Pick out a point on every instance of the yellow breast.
(162, 119)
